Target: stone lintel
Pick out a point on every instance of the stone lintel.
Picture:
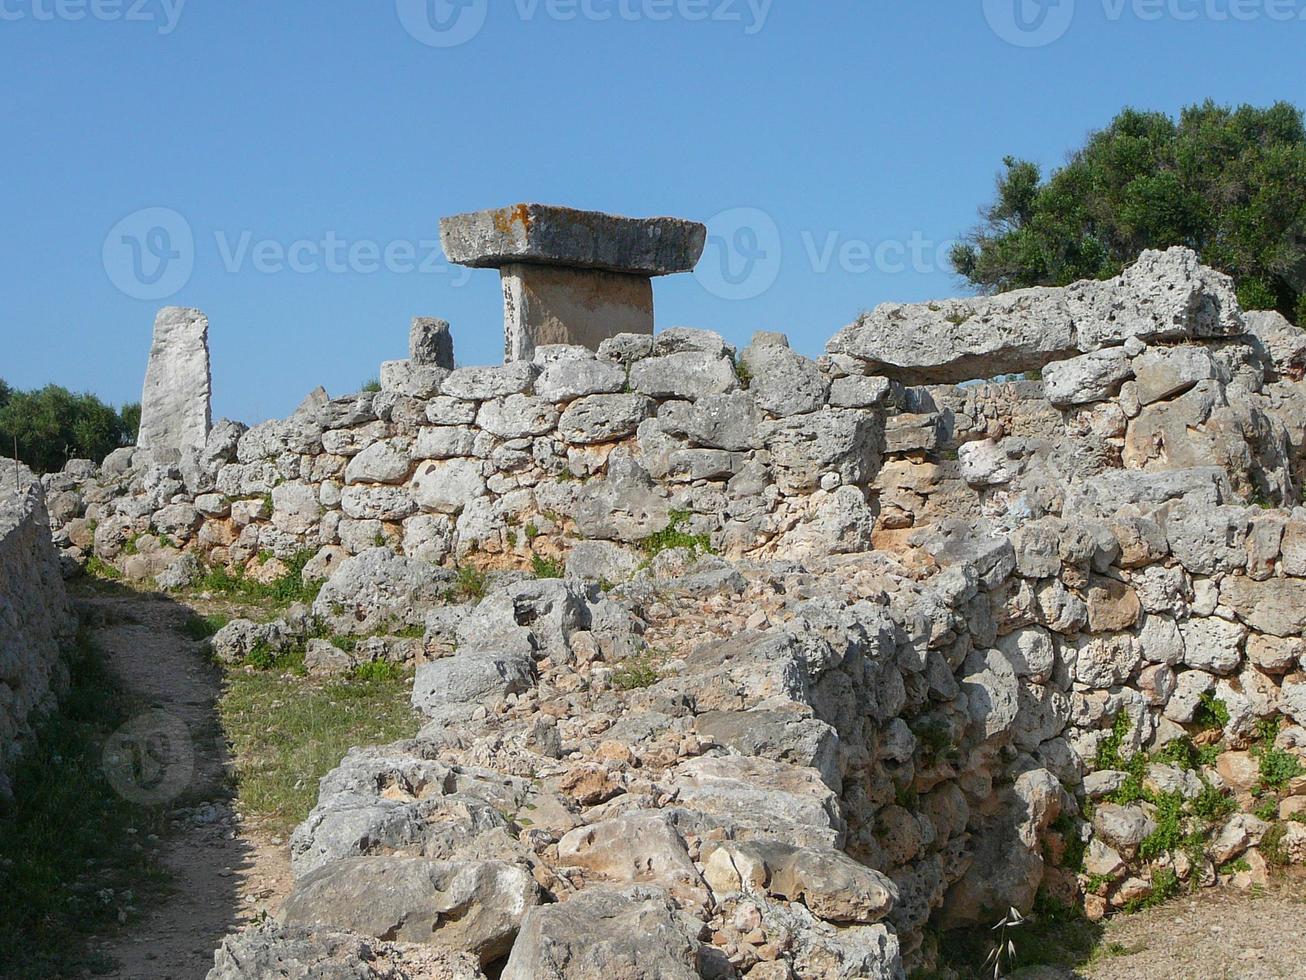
(557, 236)
(550, 305)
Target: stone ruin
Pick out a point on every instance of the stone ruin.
(842, 648)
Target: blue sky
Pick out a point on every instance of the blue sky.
(825, 137)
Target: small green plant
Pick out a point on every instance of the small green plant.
(264, 658)
(1212, 804)
(377, 671)
(371, 385)
(97, 567)
(1272, 847)
(1268, 810)
(742, 372)
(675, 536)
(1169, 828)
(1277, 767)
(1233, 867)
(1074, 846)
(635, 673)
(470, 582)
(546, 567)
(1211, 712)
(197, 627)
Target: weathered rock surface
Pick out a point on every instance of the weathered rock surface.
(548, 235)
(175, 405)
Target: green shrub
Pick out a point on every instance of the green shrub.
(547, 567)
(675, 536)
(198, 627)
(1211, 712)
(470, 583)
(635, 673)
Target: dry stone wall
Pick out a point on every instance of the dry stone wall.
(36, 621)
(836, 657)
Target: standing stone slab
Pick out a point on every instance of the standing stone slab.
(175, 407)
(572, 277)
(430, 343)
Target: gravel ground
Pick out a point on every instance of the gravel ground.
(1215, 935)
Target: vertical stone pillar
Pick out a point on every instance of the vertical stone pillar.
(176, 410)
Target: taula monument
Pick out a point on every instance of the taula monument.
(572, 277)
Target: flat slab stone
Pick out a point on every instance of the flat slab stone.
(175, 405)
(547, 235)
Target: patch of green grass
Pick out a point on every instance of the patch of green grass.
(371, 385)
(636, 673)
(73, 853)
(379, 671)
(199, 627)
(1272, 848)
(287, 733)
(547, 567)
(97, 567)
(470, 583)
(264, 658)
(675, 536)
(1233, 867)
(240, 588)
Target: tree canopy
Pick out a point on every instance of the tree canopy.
(1229, 183)
(53, 425)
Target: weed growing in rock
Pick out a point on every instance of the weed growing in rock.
(675, 536)
(546, 567)
(284, 591)
(1211, 713)
(470, 583)
(635, 673)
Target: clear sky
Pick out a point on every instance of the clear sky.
(290, 159)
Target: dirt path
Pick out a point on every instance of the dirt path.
(1217, 935)
(223, 875)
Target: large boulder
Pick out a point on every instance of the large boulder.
(475, 906)
(606, 933)
(1164, 296)
(379, 590)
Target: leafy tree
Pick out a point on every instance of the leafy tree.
(53, 425)
(131, 423)
(1229, 183)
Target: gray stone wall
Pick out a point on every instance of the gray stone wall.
(36, 620)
